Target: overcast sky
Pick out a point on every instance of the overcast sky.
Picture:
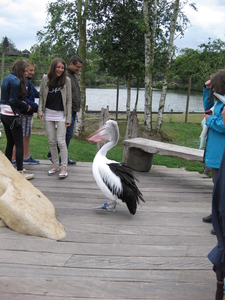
(207, 22)
(21, 19)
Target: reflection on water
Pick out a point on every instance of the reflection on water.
(97, 98)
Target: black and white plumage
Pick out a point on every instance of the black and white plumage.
(115, 180)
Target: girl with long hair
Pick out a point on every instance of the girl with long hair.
(13, 89)
(55, 106)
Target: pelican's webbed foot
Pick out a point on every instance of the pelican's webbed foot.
(106, 206)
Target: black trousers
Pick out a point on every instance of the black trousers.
(14, 136)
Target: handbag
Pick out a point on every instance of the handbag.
(17, 122)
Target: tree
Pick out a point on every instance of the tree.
(82, 12)
(8, 54)
(167, 67)
(117, 29)
(186, 65)
(163, 25)
(198, 64)
(149, 61)
(42, 59)
(60, 36)
(65, 35)
(212, 54)
(118, 39)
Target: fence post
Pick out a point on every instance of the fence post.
(187, 105)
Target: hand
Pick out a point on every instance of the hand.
(68, 124)
(207, 116)
(40, 117)
(208, 83)
(29, 108)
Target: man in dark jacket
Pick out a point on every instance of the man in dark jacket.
(75, 64)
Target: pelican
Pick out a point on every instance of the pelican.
(115, 180)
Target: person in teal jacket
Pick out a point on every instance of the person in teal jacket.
(215, 142)
(217, 254)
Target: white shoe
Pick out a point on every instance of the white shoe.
(26, 175)
(53, 171)
(63, 175)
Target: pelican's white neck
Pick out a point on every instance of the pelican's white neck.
(105, 148)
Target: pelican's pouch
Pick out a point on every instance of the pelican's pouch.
(17, 122)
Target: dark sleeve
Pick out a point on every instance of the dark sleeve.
(33, 105)
(14, 100)
(36, 93)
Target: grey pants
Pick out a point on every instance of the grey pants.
(54, 137)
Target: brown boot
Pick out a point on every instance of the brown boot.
(219, 291)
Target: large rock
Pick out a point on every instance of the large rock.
(23, 207)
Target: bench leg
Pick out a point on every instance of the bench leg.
(139, 160)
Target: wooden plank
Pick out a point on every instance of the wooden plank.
(97, 273)
(100, 289)
(139, 263)
(61, 252)
(147, 231)
(34, 258)
(15, 241)
(122, 219)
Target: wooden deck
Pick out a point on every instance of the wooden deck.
(160, 253)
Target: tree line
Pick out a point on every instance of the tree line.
(126, 42)
(198, 64)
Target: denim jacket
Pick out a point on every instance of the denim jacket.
(10, 89)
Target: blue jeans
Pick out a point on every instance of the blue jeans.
(69, 130)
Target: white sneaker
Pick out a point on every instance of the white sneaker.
(26, 175)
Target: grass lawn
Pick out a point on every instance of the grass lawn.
(174, 131)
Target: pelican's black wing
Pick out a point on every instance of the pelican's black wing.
(131, 193)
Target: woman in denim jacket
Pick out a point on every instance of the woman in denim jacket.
(13, 89)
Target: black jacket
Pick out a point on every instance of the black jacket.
(76, 96)
(217, 255)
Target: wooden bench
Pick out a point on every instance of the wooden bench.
(141, 151)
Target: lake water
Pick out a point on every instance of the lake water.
(96, 98)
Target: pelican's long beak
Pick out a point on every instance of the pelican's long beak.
(99, 135)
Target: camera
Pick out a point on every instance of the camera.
(208, 112)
